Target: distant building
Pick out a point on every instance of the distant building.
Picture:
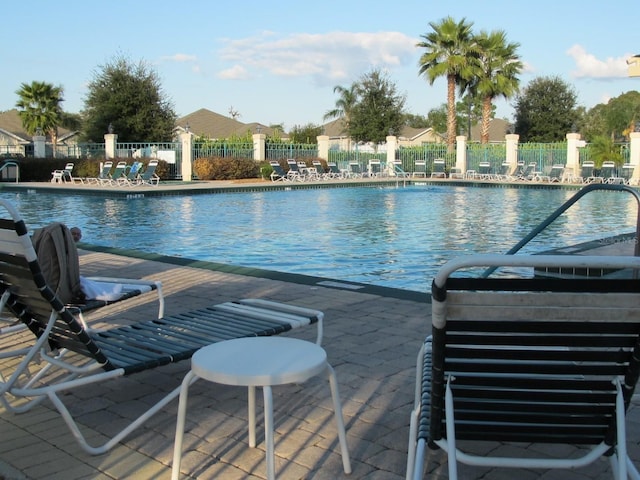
(212, 125)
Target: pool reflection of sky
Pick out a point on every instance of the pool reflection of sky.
(396, 237)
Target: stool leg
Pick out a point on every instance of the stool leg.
(189, 379)
(251, 402)
(268, 431)
(337, 409)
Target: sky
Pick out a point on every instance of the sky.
(278, 62)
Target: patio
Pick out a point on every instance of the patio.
(371, 338)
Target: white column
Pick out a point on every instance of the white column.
(39, 146)
(259, 147)
(634, 156)
(461, 153)
(110, 141)
(392, 146)
(572, 168)
(511, 145)
(323, 147)
(186, 163)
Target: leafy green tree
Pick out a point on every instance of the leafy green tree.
(545, 111)
(469, 112)
(348, 97)
(305, 134)
(379, 110)
(603, 149)
(437, 118)
(129, 97)
(450, 50)
(39, 107)
(621, 114)
(496, 74)
(415, 121)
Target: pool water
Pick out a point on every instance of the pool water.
(395, 237)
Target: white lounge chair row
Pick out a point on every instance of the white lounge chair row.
(122, 175)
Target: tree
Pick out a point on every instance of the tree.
(496, 73)
(545, 110)
(39, 107)
(415, 121)
(437, 118)
(348, 98)
(469, 112)
(129, 97)
(450, 48)
(305, 134)
(603, 149)
(379, 110)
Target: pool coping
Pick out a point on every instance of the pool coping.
(298, 278)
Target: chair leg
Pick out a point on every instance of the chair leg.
(189, 379)
(251, 406)
(337, 410)
(451, 433)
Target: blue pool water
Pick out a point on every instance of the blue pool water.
(396, 237)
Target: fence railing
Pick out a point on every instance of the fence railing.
(493, 153)
(279, 151)
(222, 149)
(544, 155)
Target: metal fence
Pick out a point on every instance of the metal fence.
(544, 155)
(492, 153)
(279, 151)
(222, 149)
(427, 152)
(81, 150)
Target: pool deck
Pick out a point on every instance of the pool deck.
(371, 338)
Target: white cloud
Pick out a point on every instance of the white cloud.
(327, 58)
(237, 72)
(588, 66)
(180, 57)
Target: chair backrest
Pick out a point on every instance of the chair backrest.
(438, 165)
(556, 171)
(68, 167)
(354, 167)
(293, 165)
(134, 170)
(484, 167)
(275, 165)
(586, 170)
(374, 165)
(607, 169)
(119, 170)
(333, 167)
(318, 166)
(535, 359)
(106, 168)
(31, 299)
(150, 170)
(420, 166)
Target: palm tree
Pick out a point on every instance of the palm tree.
(344, 105)
(450, 49)
(40, 108)
(498, 66)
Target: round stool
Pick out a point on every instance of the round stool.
(259, 362)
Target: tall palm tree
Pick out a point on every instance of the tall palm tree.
(344, 104)
(450, 49)
(498, 67)
(40, 108)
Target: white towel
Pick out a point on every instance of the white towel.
(100, 290)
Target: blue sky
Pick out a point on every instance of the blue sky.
(277, 62)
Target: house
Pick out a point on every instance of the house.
(15, 141)
(497, 130)
(208, 124)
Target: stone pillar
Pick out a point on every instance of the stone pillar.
(511, 145)
(110, 141)
(461, 153)
(323, 147)
(186, 163)
(572, 168)
(39, 145)
(634, 156)
(259, 147)
(392, 146)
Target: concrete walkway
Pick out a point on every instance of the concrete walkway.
(371, 340)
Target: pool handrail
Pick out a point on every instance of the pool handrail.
(10, 163)
(565, 206)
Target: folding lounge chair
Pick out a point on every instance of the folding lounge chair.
(627, 173)
(438, 169)
(112, 178)
(335, 171)
(586, 173)
(419, 169)
(355, 171)
(533, 360)
(64, 175)
(148, 175)
(375, 168)
(610, 175)
(294, 173)
(74, 356)
(130, 176)
(102, 175)
(484, 171)
(321, 172)
(277, 172)
(529, 172)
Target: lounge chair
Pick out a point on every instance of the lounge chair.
(529, 173)
(375, 168)
(321, 172)
(627, 173)
(334, 171)
(149, 175)
(438, 169)
(419, 169)
(456, 173)
(64, 175)
(277, 172)
(484, 171)
(103, 175)
(555, 174)
(130, 176)
(67, 355)
(534, 360)
(113, 177)
(609, 173)
(295, 173)
(586, 173)
(355, 171)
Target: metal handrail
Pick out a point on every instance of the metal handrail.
(565, 206)
(9, 163)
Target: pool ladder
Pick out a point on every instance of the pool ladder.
(565, 206)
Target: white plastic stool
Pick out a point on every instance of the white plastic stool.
(259, 362)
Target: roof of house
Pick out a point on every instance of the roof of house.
(497, 130)
(11, 124)
(209, 124)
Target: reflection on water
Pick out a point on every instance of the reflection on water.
(383, 236)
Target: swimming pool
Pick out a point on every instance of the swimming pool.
(395, 237)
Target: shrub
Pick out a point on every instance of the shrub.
(227, 168)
